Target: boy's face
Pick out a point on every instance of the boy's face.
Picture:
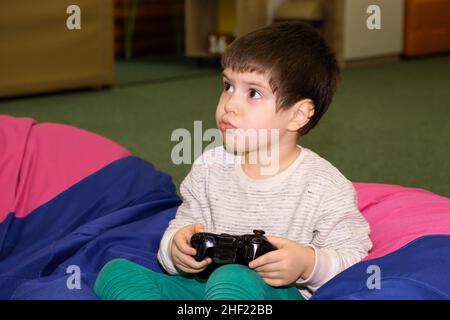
(248, 103)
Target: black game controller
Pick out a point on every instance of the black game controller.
(226, 249)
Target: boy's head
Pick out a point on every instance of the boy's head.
(285, 70)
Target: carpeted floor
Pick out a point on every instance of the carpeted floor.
(389, 123)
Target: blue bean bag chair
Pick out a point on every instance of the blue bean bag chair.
(71, 201)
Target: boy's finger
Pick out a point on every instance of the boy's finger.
(192, 263)
(178, 263)
(269, 275)
(278, 242)
(185, 268)
(189, 261)
(179, 260)
(269, 257)
(183, 246)
(198, 227)
(269, 267)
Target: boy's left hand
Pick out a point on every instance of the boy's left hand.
(287, 264)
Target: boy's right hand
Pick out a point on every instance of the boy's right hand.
(182, 252)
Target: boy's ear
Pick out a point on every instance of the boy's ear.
(302, 111)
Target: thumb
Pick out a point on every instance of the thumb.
(198, 227)
(278, 242)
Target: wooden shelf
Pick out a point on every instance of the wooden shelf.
(202, 19)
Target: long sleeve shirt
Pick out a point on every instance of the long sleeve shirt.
(309, 202)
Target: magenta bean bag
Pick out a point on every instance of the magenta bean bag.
(398, 215)
(39, 161)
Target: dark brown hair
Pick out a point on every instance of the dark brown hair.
(299, 63)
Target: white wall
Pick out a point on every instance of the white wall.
(360, 42)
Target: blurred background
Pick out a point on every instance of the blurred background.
(136, 70)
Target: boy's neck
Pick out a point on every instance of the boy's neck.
(287, 155)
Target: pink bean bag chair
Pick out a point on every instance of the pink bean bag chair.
(39, 162)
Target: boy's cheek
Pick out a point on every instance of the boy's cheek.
(219, 114)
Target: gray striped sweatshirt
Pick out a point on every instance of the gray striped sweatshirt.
(309, 202)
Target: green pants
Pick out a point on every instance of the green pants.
(125, 280)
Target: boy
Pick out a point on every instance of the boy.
(280, 78)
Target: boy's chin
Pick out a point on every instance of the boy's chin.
(238, 148)
(234, 149)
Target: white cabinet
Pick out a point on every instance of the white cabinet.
(362, 42)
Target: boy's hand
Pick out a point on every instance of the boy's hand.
(287, 264)
(182, 251)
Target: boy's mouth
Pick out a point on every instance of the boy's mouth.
(223, 125)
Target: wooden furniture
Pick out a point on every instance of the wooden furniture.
(343, 24)
(157, 26)
(427, 27)
(38, 53)
(308, 10)
(202, 18)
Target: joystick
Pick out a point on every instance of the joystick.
(226, 249)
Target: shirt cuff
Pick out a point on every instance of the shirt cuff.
(324, 269)
(164, 253)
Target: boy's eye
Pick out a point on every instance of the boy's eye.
(227, 87)
(255, 94)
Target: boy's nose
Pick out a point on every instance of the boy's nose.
(231, 104)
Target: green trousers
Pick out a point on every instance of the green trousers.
(125, 280)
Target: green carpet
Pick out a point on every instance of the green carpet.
(389, 123)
